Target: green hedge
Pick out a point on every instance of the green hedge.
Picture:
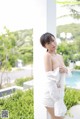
(19, 105)
(20, 81)
(77, 67)
(72, 97)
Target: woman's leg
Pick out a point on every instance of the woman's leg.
(59, 117)
(51, 112)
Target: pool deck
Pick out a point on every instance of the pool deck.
(76, 70)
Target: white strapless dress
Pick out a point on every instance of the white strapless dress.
(53, 94)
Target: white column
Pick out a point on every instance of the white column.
(45, 21)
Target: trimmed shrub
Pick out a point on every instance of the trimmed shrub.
(77, 67)
(19, 105)
(20, 81)
(72, 97)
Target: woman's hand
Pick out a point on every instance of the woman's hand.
(63, 69)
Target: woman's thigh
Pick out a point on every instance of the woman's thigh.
(51, 112)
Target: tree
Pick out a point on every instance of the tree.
(13, 46)
(73, 6)
(68, 50)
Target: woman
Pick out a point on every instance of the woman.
(54, 68)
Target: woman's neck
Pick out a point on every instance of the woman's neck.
(52, 52)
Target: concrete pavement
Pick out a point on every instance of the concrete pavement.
(16, 73)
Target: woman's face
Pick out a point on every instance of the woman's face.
(52, 45)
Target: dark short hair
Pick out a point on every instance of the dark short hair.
(46, 38)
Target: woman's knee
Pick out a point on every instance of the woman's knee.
(51, 111)
(59, 117)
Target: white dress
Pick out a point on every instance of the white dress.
(54, 91)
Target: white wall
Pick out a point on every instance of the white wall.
(45, 20)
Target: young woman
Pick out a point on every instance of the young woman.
(54, 69)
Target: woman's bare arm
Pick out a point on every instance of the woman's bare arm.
(63, 68)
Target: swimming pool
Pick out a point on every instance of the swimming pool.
(74, 80)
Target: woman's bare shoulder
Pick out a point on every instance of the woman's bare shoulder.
(47, 55)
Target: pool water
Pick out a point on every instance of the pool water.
(74, 80)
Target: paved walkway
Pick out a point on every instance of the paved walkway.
(74, 112)
(16, 73)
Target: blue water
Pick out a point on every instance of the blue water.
(74, 80)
